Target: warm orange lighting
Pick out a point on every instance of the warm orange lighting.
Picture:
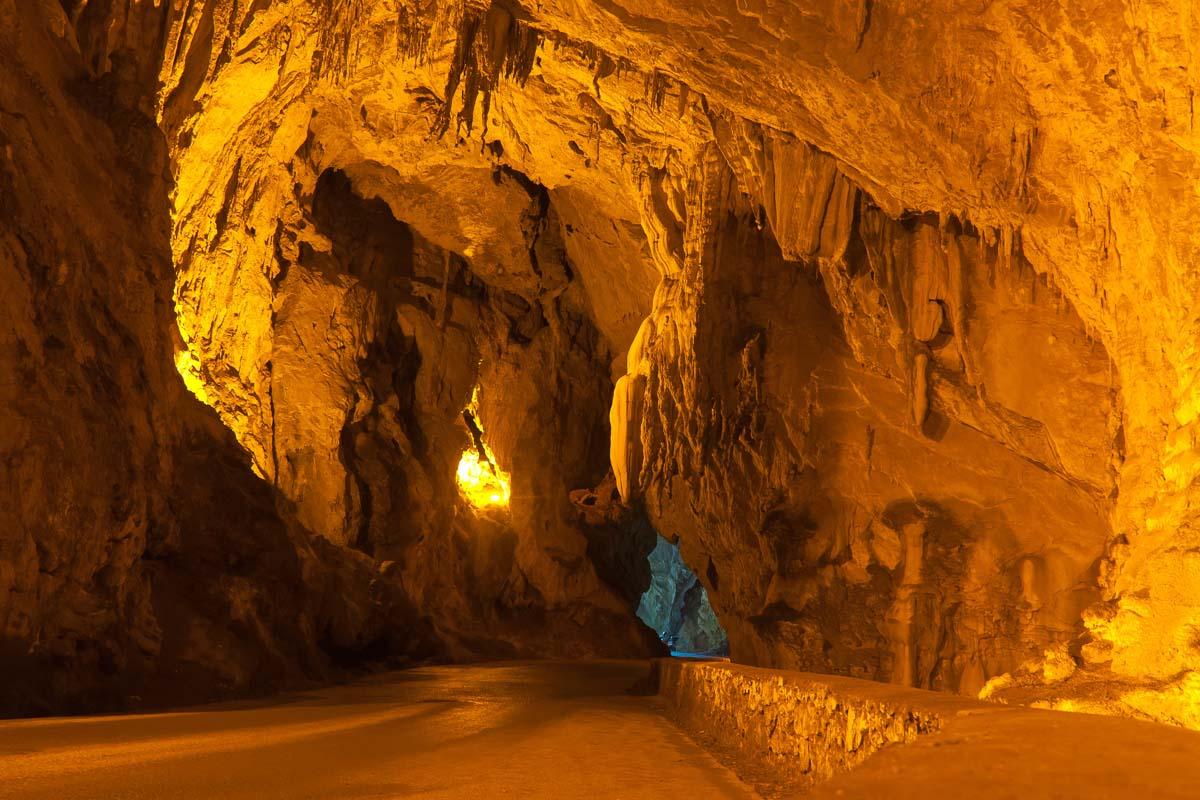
(188, 367)
(481, 481)
(483, 484)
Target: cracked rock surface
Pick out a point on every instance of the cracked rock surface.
(885, 311)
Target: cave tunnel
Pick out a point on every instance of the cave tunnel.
(676, 607)
(413, 398)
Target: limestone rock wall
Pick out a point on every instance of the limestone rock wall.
(881, 432)
(140, 560)
(877, 490)
(343, 322)
(144, 558)
(80, 495)
(1063, 129)
(887, 308)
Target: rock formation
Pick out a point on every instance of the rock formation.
(676, 606)
(884, 312)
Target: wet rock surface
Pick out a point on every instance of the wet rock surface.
(883, 313)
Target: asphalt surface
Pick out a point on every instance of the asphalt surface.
(532, 730)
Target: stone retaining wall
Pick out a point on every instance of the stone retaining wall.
(802, 728)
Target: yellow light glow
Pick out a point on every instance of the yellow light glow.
(480, 479)
(481, 483)
(188, 367)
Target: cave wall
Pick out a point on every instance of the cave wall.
(854, 340)
(79, 495)
(893, 303)
(345, 285)
(374, 338)
(676, 606)
(141, 562)
(1063, 131)
(150, 556)
(879, 486)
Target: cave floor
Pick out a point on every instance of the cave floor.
(553, 730)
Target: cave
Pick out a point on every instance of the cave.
(675, 606)
(749, 398)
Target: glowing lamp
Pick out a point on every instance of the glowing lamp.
(482, 482)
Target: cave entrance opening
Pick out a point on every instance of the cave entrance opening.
(676, 606)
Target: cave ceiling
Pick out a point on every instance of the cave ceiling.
(884, 312)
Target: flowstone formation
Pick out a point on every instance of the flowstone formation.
(870, 308)
(884, 312)
(147, 556)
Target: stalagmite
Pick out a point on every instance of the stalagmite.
(920, 390)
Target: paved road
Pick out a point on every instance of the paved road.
(534, 730)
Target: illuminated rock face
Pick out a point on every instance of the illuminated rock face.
(885, 312)
(140, 560)
(384, 359)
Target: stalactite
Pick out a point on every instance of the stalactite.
(656, 88)
(920, 388)
(337, 42)
(417, 21)
(491, 44)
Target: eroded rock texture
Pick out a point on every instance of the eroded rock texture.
(888, 474)
(676, 606)
(885, 311)
(140, 561)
